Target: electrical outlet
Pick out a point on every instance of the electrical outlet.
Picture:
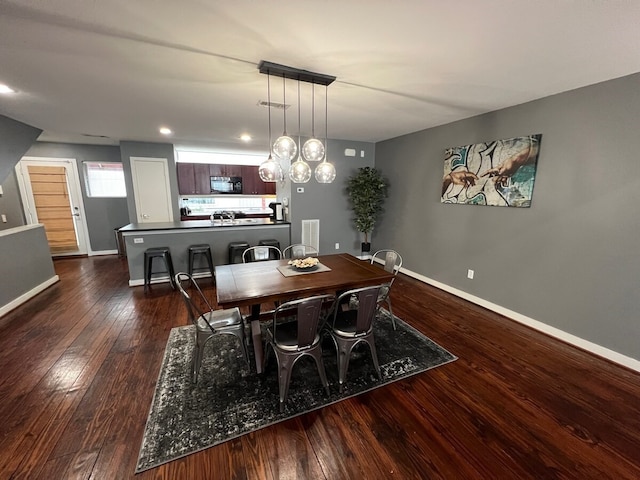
(470, 274)
(138, 240)
(4, 218)
(337, 246)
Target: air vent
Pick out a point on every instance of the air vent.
(281, 106)
(93, 136)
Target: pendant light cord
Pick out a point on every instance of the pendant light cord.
(299, 139)
(269, 102)
(326, 122)
(313, 110)
(284, 102)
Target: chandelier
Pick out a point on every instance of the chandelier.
(285, 148)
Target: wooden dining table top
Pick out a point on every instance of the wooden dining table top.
(252, 283)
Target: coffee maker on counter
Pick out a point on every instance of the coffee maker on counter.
(278, 213)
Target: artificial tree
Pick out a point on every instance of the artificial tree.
(367, 190)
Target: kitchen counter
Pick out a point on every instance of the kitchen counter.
(179, 235)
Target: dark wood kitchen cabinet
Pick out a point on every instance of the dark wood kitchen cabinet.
(193, 179)
(217, 170)
(253, 185)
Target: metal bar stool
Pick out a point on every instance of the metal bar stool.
(235, 251)
(200, 249)
(270, 242)
(158, 252)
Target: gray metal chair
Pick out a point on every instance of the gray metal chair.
(260, 253)
(209, 324)
(299, 250)
(294, 333)
(392, 261)
(353, 323)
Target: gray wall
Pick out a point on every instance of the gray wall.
(569, 261)
(15, 139)
(149, 150)
(26, 262)
(103, 215)
(328, 202)
(10, 203)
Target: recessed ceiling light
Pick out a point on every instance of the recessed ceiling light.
(165, 131)
(245, 137)
(5, 89)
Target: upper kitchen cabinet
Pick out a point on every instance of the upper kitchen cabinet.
(253, 185)
(193, 179)
(216, 170)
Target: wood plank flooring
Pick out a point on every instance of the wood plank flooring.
(79, 364)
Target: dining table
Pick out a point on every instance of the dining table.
(256, 283)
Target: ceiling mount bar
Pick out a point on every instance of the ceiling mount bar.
(275, 69)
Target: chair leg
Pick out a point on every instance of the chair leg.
(285, 365)
(393, 319)
(147, 273)
(243, 345)
(344, 352)
(374, 354)
(317, 356)
(210, 262)
(172, 274)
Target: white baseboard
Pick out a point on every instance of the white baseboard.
(103, 252)
(594, 348)
(28, 295)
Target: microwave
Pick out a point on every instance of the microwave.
(226, 184)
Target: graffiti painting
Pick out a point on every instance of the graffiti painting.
(498, 173)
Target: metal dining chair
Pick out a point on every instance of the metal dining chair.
(210, 323)
(392, 262)
(299, 250)
(261, 253)
(294, 333)
(352, 323)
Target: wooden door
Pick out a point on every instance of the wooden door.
(53, 207)
(202, 178)
(50, 193)
(186, 179)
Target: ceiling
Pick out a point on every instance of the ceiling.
(103, 71)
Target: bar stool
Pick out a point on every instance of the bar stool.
(235, 251)
(270, 242)
(157, 252)
(200, 249)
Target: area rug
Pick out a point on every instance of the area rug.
(231, 400)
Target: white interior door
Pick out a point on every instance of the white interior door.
(51, 195)
(151, 189)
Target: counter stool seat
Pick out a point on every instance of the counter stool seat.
(236, 249)
(201, 249)
(158, 252)
(270, 242)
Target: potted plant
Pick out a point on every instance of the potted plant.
(367, 190)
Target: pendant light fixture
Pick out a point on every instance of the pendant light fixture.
(270, 170)
(325, 171)
(285, 147)
(300, 171)
(313, 149)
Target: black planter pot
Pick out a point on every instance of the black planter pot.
(366, 247)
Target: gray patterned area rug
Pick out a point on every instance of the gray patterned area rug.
(231, 400)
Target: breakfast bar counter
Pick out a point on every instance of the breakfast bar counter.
(179, 235)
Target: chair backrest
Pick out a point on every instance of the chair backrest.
(261, 253)
(391, 260)
(299, 250)
(193, 310)
(309, 313)
(364, 310)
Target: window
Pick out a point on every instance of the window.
(104, 179)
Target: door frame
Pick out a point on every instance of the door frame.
(75, 192)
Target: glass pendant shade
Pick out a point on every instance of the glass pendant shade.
(313, 150)
(300, 171)
(325, 172)
(285, 148)
(270, 170)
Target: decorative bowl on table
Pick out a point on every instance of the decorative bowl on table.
(304, 264)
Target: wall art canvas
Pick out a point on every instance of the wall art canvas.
(498, 173)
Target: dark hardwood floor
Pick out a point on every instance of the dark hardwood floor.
(79, 364)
